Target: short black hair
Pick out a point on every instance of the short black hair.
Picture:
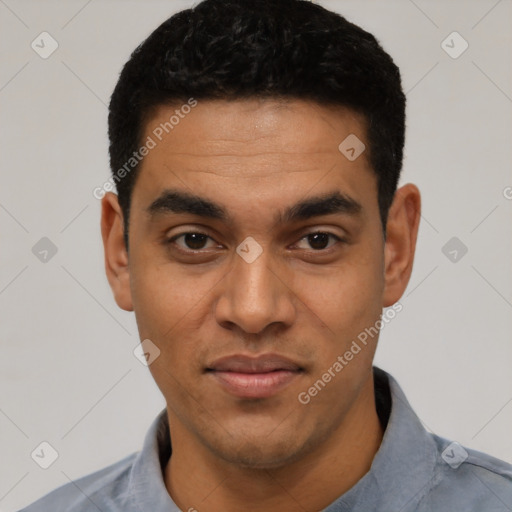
(240, 49)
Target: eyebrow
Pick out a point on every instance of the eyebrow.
(179, 202)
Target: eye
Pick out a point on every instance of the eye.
(193, 241)
(319, 240)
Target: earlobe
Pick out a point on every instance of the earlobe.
(116, 256)
(401, 235)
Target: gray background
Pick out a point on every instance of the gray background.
(68, 375)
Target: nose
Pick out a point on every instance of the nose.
(255, 295)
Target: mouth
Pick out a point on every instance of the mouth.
(249, 377)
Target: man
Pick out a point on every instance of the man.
(258, 234)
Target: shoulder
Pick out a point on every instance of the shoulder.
(468, 479)
(102, 490)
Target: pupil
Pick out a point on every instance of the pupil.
(318, 240)
(195, 240)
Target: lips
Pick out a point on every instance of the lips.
(246, 364)
(248, 377)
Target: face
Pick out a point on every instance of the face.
(256, 259)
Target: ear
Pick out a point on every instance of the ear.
(401, 234)
(116, 255)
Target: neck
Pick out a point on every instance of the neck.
(197, 479)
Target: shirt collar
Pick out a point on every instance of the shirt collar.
(147, 485)
(401, 468)
(403, 465)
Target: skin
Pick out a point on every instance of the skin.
(257, 157)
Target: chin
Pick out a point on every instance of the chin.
(253, 457)
(260, 452)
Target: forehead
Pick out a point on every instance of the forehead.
(254, 127)
(261, 151)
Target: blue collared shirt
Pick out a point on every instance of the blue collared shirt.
(413, 470)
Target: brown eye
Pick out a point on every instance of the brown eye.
(192, 241)
(319, 240)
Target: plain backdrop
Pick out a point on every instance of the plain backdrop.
(68, 375)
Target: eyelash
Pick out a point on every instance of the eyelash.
(171, 241)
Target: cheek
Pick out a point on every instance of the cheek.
(346, 297)
(167, 307)
(170, 304)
